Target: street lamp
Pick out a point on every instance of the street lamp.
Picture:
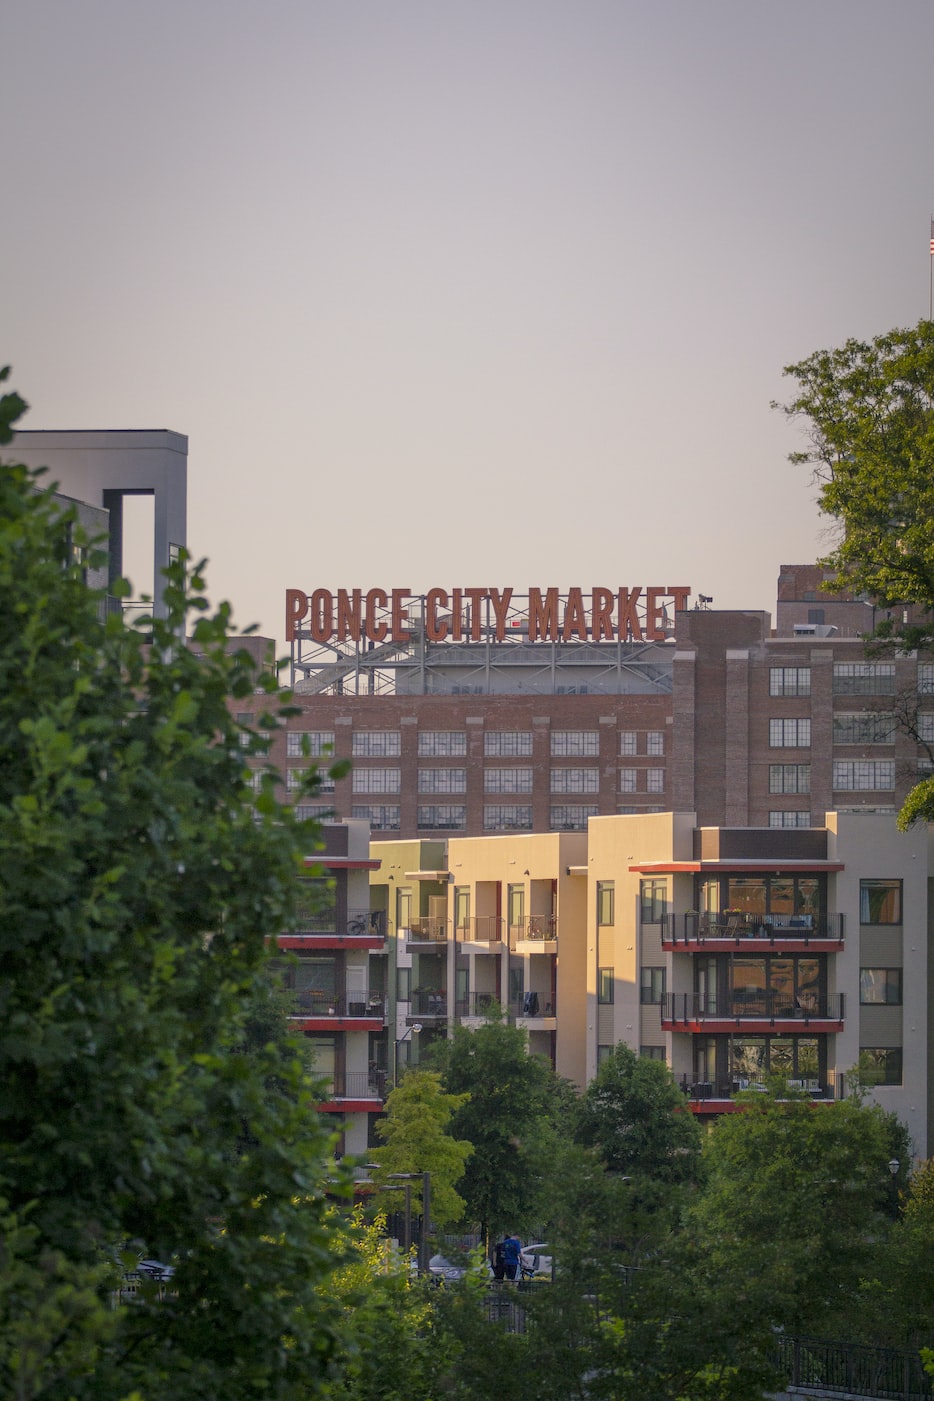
(412, 1031)
(426, 1214)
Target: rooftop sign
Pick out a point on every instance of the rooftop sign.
(474, 615)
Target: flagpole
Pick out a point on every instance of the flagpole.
(931, 293)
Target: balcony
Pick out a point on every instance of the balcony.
(427, 1004)
(485, 930)
(720, 1096)
(317, 1010)
(537, 934)
(355, 1090)
(537, 1008)
(324, 929)
(477, 1005)
(753, 1011)
(426, 930)
(729, 931)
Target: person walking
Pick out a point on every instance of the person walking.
(512, 1255)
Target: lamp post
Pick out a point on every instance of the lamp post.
(413, 1030)
(407, 1177)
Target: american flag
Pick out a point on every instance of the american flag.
(932, 238)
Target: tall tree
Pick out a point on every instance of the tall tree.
(636, 1116)
(140, 878)
(414, 1130)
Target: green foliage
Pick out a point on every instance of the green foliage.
(637, 1117)
(870, 410)
(511, 1119)
(794, 1205)
(418, 1113)
(140, 882)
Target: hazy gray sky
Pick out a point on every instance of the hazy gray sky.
(462, 292)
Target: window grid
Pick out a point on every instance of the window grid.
(449, 815)
(655, 780)
(294, 779)
(571, 818)
(926, 678)
(377, 744)
(442, 744)
(377, 780)
(864, 727)
(319, 742)
(789, 817)
(575, 744)
(628, 780)
(789, 681)
(307, 812)
(442, 780)
(789, 778)
(864, 678)
(575, 780)
(864, 775)
(507, 780)
(655, 742)
(507, 816)
(790, 734)
(382, 817)
(627, 744)
(926, 727)
(507, 744)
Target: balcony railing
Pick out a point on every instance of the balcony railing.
(756, 1005)
(701, 928)
(429, 1002)
(356, 1084)
(537, 928)
(357, 924)
(477, 1004)
(426, 929)
(482, 929)
(534, 1004)
(852, 1369)
(732, 1085)
(316, 1003)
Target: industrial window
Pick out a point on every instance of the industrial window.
(864, 678)
(309, 812)
(789, 778)
(575, 780)
(881, 1065)
(383, 817)
(628, 780)
(507, 780)
(575, 744)
(864, 727)
(790, 817)
(507, 816)
(377, 744)
(880, 985)
(627, 743)
(443, 816)
(655, 780)
(880, 902)
(653, 901)
(507, 744)
(655, 742)
(926, 678)
(606, 902)
(314, 743)
(377, 780)
(652, 986)
(442, 744)
(605, 984)
(571, 817)
(863, 775)
(245, 718)
(789, 734)
(789, 681)
(442, 780)
(295, 778)
(926, 727)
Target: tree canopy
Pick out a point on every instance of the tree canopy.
(637, 1117)
(141, 876)
(418, 1113)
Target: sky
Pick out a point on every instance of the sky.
(463, 292)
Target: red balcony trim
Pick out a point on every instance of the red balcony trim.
(743, 867)
(782, 1025)
(330, 941)
(752, 945)
(350, 1106)
(343, 863)
(338, 1023)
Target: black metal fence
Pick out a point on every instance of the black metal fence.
(854, 1369)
